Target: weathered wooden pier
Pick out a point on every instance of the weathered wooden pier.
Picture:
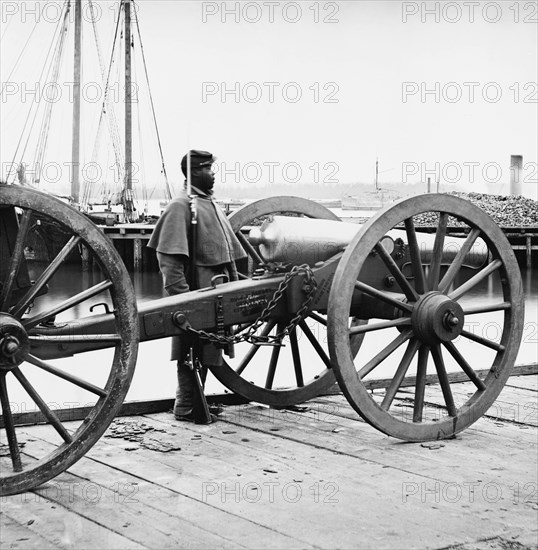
(523, 239)
(314, 476)
(130, 239)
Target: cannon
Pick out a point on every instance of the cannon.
(318, 299)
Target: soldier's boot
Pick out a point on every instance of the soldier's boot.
(200, 408)
(190, 403)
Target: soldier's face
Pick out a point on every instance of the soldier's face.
(204, 178)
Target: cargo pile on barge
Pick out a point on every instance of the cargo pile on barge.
(506, 210)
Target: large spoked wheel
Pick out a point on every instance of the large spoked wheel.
(40, 237)
(305, 370)
(448, 320)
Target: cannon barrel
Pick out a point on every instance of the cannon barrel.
(304, 240)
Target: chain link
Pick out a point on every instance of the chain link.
(275, 340)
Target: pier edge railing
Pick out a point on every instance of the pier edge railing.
(153, 406)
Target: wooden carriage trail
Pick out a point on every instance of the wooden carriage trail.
(312, 476)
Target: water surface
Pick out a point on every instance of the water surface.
(155, 374)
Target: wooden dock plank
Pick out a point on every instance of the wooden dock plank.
(524, 382)
(131, 408)
(194, 472)
(255, 468)
(171, 508)
(380, 483)
(338, 407)
(235, 483)
(519, 405)
(274, 444)
(347, 436)
(13, 535)
(457, 476)
(59, 525)
(365, 444)
(121, 510)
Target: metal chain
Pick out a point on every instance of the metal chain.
(249, 335)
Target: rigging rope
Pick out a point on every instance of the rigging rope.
(41, 146)
(7, 26)
(107, 109)
(168, 189)
(110, 112)
(142, 167)
(120, 180)
(45, 64)
(8, 80)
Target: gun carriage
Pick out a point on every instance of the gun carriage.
(385, 279)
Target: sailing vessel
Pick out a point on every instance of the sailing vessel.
(371, 201)
(105, 195)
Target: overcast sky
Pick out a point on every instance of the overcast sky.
(294, 92)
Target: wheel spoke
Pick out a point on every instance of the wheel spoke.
(21, 306)
(483, 341)
(16, 259)
(443, 379)
(471, 310)
(318, 318)
(61, 374)
(474, 280)
(315, 344)
(437, 253)
(73, 338)
(403, 367)
(383, 296)
(273, 363)
(66, 304)
(249, 249)
(420, 383)
(241, 328)
(414, 250)
(9, 426)
(455, 266)
(379, 326)
(467, 369)
(407, 289)
(43, 407)
(254, 348)
(384, 353)
(296, 359)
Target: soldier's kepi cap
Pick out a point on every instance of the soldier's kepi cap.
(198, 159)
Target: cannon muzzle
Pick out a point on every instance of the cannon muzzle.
(304, 240)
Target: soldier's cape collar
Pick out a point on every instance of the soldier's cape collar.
(200, 193)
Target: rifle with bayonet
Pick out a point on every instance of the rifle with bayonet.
(200, 408)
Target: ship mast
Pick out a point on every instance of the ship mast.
(128, 187)
(75, 146)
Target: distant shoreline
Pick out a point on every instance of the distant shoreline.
(315, 191)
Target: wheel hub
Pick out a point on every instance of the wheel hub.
(437, 318)
(14, 344)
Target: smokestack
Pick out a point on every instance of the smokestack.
(516, 165)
